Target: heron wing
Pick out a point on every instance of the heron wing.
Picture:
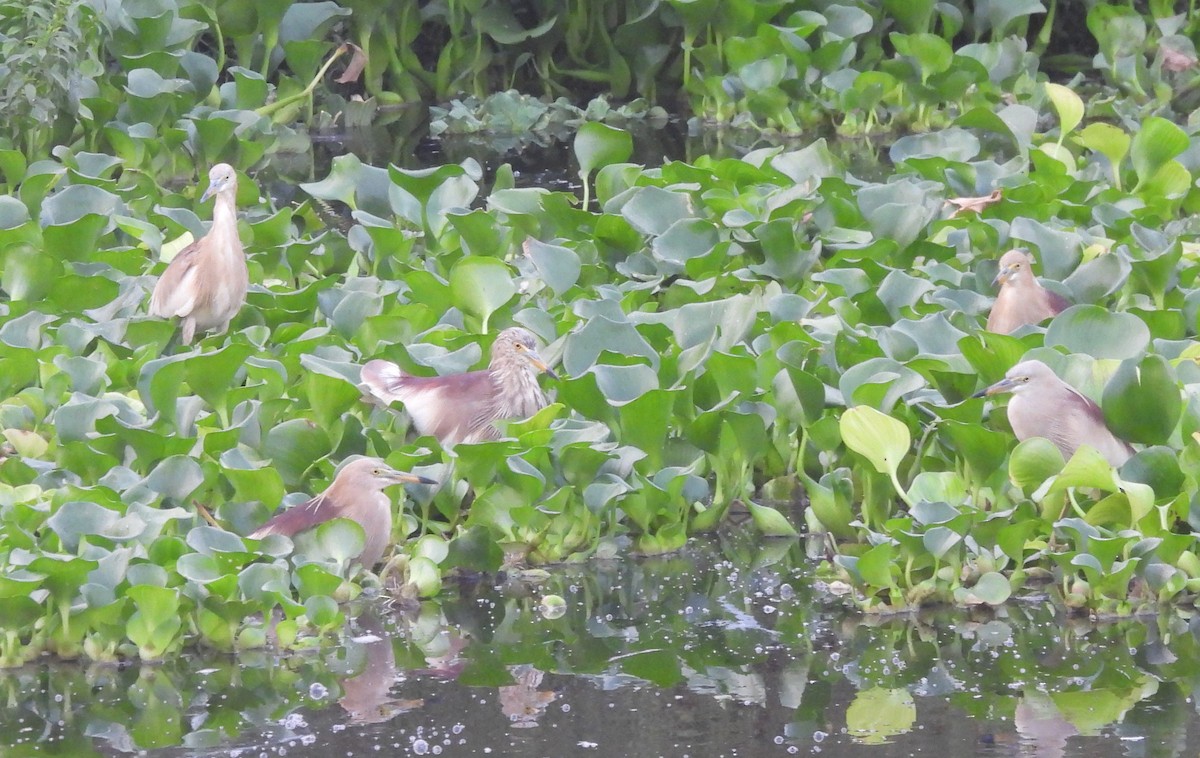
(1086, 425)
(1057, 303)
(175, 292)
(295, 520)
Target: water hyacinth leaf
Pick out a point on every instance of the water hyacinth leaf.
(1098, 332)
(1108, 140)
(480, 286)
(1157, 467)
(424, 577)
(154, 627)
(684, 240)
(932, 53)
(598, 145)
(990, 589)
(176, 477)
(322, 612)
(293, 446)
(1067, 105)
(558, 266)
(1154, 144)
(1142, 400)
(356, 184)
(1001, 15)
(209, 540)
(983, 449)
(939, 540)
(340, 539)
(652, 210)
(770, 522)
(311, 580)
(879, 438)
(80, 518)
(1033, 462)
(624, 384)
(1086, 468)
(199, 568)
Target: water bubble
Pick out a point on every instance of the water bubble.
(317, 691)
(818, 736)
(420, 747)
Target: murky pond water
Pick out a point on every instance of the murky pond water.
(729, 649)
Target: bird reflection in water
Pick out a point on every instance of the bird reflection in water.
(523, 703)
(366, 696)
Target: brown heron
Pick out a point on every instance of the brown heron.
(464, 407)
(1021, 300)
(1045, 406)
(205, 284)
(356, 494)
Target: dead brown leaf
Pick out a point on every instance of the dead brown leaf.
(355, 68)
(974, 204)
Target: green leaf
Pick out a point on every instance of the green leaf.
(1033, 462)
(598, 145)
(480, 286)
(1142, 401)
(1108, 140)
(1098, 332)
(1068, 106)
(770, 522)
(1155, 143)
(879, 438)
(991, 589)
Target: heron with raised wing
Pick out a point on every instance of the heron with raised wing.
(465, 407)
(356, 494)
(1045, 406)
(1022, 299)
(205, 284)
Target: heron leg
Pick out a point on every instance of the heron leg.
(188, 325)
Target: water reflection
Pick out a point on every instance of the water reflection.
(729, 649)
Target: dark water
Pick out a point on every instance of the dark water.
(731, 649)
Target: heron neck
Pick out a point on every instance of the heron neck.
(518, 389)
(224, 225)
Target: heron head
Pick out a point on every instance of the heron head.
(220, 177)
(374, 474)
(1020, 377)
(1013, 265)
(518, 347)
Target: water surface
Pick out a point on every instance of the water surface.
(732, 648)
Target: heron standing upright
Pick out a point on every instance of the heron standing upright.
(205, 284)
(1021, 300)
(464, 407)
(1045, 406)
(356, 494)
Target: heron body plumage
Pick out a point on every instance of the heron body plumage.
(205, 284)
(1045, 406)
(464, 407)
(1022, 299)
(356, 493)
